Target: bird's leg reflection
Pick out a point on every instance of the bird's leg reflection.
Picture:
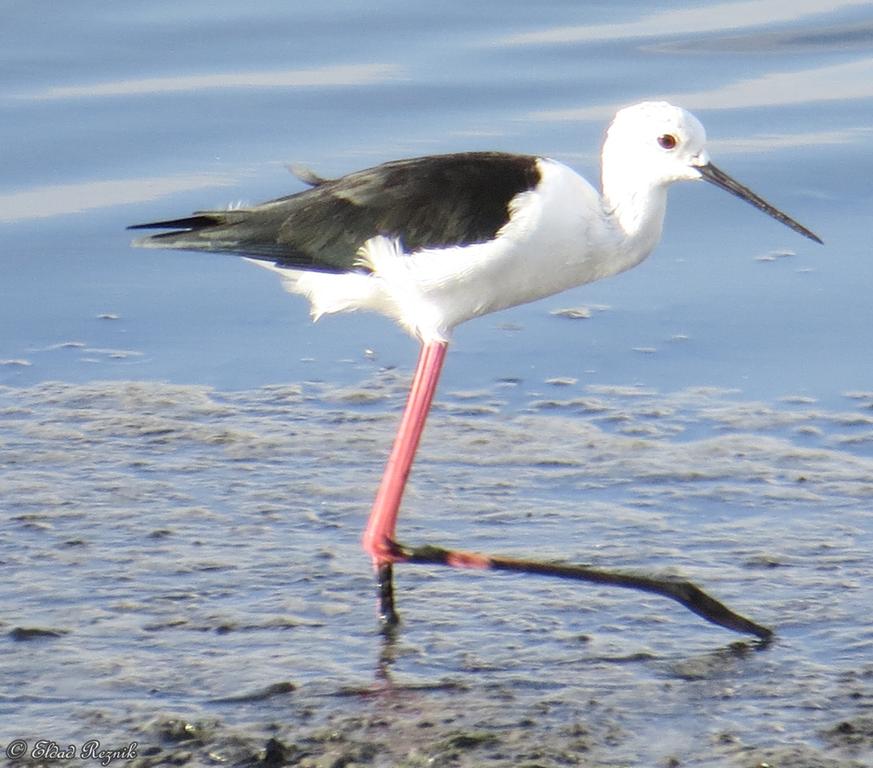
(387, 656)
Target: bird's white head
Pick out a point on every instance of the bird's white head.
(648, 147)
(652, 144)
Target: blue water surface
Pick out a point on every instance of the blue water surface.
(113, 115)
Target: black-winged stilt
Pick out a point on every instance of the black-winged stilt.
(434, 241)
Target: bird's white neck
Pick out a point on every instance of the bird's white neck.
(638, 213)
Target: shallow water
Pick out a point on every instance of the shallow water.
(186, 461)
(189, 549)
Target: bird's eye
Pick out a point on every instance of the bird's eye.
(667, 141)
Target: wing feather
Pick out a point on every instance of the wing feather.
(426, 202)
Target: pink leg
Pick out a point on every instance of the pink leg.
(378, 539)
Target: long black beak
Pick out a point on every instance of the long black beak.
(721, 179)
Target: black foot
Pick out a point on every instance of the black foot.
(388, 617)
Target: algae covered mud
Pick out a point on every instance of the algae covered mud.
(182, 571)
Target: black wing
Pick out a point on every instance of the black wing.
(425, 202)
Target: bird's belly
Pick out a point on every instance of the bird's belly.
(489, 277)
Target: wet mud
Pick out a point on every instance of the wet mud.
(182, 572)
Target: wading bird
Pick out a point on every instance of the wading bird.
(435, 241)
